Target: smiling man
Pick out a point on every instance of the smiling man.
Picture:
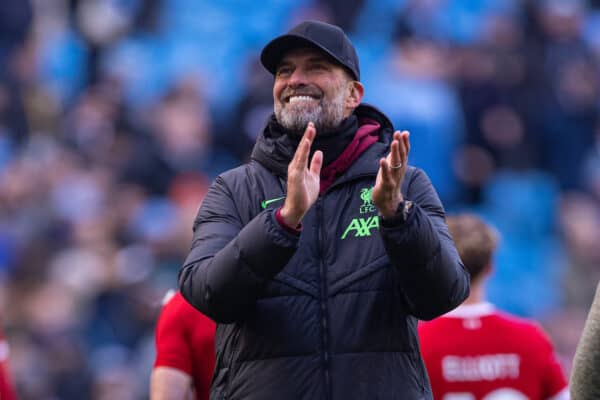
(310, 87)
(317, 258)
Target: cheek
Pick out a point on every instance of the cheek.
(277, 89)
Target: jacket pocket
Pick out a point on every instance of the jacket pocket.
(358, 275)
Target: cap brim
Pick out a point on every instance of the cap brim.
(274, 51)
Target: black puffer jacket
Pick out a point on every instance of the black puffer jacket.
(331, 314)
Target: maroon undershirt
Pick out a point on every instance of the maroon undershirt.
(365, 136)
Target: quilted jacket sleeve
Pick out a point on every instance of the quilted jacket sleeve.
(433, 279)
(229, 263)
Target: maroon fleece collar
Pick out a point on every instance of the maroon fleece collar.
(365, 136)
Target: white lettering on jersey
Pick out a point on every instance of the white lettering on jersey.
(506, 394)
(489, 367)
(458, 396)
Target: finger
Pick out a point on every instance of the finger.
(386, 174)
(406, 141)
(310, 132)
(395, 157)
(401, 152)
(405, 148)
(301, 156)
(401, 138)
(317, 162)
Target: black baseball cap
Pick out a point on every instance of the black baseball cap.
(326, 37)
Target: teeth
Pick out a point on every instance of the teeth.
(294, 99)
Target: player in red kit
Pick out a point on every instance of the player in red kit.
(7, 392)
(185, 353)
(476, 352)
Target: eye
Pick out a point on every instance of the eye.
(283, 71)
(318, 66)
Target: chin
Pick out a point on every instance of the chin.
(299, 117)
(301, 108)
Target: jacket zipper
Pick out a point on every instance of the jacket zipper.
(326, 357)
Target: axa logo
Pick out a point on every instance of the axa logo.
(361, 227)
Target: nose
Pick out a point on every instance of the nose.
(297, 78)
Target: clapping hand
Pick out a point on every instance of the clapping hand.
(386, 193)
(303, 183)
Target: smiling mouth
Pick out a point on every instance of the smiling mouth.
(296, 95)
(299, 98)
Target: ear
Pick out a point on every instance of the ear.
(356, 94)
(488, 270)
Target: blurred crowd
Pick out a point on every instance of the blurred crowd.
(115, 116)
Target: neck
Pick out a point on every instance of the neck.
(477, 294)
(332, 143)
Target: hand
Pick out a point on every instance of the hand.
(303, 183)
(386, 193)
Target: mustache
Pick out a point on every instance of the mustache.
(300, 91)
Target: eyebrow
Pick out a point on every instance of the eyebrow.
(317, 58)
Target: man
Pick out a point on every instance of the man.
(585, 377)
(185, 354)
(318, 256)
(478, 353)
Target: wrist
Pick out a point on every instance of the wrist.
(289, 218)
(390, 209)
(401, 215)
(294, 230)
(388, 212)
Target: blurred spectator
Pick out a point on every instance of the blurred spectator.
(180, 140)
(104, 22)
(15, 22)
(591, 167)
(492, 79)
(253, 109)
(566, 90)
(580, 223)
(343, 12)
(96, 125)
(412, 87)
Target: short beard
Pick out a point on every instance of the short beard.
(326, 115)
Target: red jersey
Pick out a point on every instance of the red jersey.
(478, 353)
(7, 392)
(185, 340)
